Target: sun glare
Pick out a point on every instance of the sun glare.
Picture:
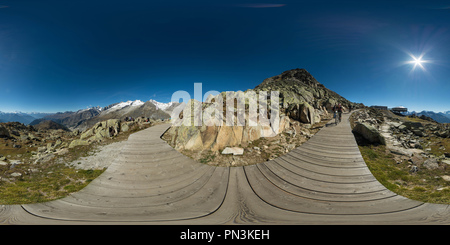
(417, 62)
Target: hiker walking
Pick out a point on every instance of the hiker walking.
(339, 110)
(335, 114)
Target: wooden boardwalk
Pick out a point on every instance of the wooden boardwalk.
(324, 181)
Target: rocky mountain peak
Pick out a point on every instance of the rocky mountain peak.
(298, 86)
(299, 77)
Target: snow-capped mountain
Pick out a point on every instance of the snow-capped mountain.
(130, 108)
(122, 105)
(162, 106)
(85, 118)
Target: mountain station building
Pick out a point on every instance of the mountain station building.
(399, 110)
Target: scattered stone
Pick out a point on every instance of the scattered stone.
(446, 177)
(44, 158)
(14, 163)
(233, 150)
(446, 161)
(16, 174)
(76, 132)
(414, 169)
(400, 151)
(431, 164)
(62, 151)
(290, 146)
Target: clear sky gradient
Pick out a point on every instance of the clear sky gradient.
(59, 55)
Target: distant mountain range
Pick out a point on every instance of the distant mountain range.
(25, 118)
(440, 117)
(86, 118)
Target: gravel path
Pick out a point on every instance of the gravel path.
(102, 158)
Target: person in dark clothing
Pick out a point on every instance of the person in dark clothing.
(339, 110)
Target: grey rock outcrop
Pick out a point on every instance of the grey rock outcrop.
(100, 130)
(298, 86)
(218, 137)
(303, 112)
(369, 132)
(78, 142)
(431, 163)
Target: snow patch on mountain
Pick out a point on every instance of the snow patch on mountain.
(160, 105)
(125, 104)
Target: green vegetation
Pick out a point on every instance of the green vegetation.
(208, 157)
(58, 182)
(437, 145)
(48, 180)
(424, 185)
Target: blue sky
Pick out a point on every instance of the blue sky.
(60, 55)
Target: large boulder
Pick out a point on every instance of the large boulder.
(330, 103)
(369, 133)
(75, 143)
(4, 133)
(89, 133)
(303, 112)
(431, 163)
(443, 133)
(413, 125)
(102, 130)
(125, 126)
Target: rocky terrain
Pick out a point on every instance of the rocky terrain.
(86, 118)
(64, 137)
(305, 106)
(25, 149)
(417, 144)
(237, 145)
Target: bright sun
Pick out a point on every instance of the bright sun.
(417, 62)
